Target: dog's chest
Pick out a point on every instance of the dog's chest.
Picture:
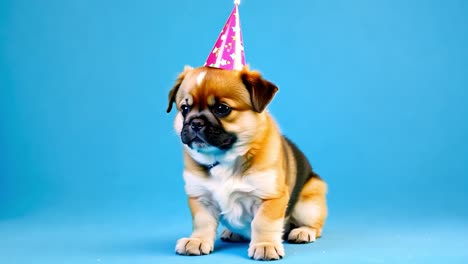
(234, 198)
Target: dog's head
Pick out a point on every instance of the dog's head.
(219, 109)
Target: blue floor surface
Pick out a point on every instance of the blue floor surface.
(145, 238)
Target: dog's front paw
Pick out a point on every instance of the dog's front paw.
(193, 247)
(266, 251)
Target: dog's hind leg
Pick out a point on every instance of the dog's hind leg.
(309, 213)
(229, 236)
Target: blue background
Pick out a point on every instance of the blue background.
(374, 92)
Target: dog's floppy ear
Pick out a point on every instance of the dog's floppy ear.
(261, 91)
(175, 88)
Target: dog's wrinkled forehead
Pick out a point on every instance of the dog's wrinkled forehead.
(204, 87)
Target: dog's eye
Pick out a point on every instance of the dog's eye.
(184, 109)
(221, 110)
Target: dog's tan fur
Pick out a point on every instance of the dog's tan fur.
(254, 180)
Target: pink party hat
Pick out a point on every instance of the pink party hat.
(228, 51)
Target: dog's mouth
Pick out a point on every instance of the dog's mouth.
(194, 140)
(189, 137)
(200, 141)
(207, 136)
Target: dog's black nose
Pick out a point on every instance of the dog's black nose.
(197, 124)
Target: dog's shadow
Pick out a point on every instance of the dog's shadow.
(232, 248)
(162, 246)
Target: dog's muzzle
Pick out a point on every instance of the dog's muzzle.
(199, 132)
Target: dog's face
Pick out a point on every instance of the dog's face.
(219, 110)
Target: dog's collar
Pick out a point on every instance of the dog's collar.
(209, 167)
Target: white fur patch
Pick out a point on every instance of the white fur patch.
(201, 77)
(178, 123)
(235, 198)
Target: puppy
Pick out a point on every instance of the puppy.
(239, 169)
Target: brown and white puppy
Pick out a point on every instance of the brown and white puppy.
(239, 169)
